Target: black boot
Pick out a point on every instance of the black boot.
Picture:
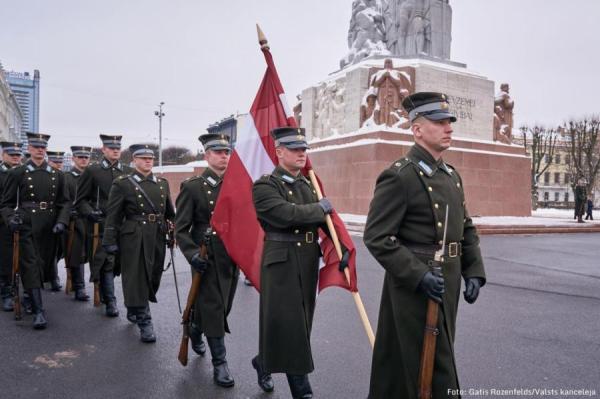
(79, 284)
(55, 284)
(221, 374)
(299, 386)
(7, 297)
(144, 322)
(26, 303)
(265, 381)
(39, 318)
(196, 338)
(132, 314)
(108, 292)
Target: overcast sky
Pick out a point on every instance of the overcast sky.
(105, 65)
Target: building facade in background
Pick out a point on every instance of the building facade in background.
(11, 117)
(27, 92)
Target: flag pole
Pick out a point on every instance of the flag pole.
(360, 307)
(264, 45)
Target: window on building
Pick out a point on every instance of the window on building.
(567, 197)
(547, 158)
(567, 159)
(547, 177)
(557, 178)
(546, 196)
(556, 197)
(567, 178)
(557, 158)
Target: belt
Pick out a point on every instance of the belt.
(451, 250)
(43, 205)
(150, 218)
(301, 236)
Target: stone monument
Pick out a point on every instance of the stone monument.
(398, 28)
(357, 127)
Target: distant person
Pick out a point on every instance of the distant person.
(580, 199)
(590, 207)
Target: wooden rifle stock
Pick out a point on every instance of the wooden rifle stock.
(185, 319)
(94, 249)
(68, 253)
(16, 276)
(428, 353)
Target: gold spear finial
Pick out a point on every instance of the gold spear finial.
(262, 40)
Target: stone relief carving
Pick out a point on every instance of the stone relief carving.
(382, 103)
(503, 115)
(329, 104)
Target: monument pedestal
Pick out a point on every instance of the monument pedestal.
(495, 176)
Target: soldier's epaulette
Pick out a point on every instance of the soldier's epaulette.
(189, 180)
(400, 164)
(122, 177)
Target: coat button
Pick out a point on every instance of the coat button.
(429, 188)
(209, 192)
(290, 193)
(436, 206)
(296, 231)
(298, 244)
(440, 224)
(205, 183)
(440, 242)
(211, 202)
(457, 184)
(421, 173)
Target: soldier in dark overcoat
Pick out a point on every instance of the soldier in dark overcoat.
(55, 160)
(405, 227)
(195, 205)
(92, 198)
(11, 157)
(35, 202)
(80, 244)
(138, 214)
(290, 214)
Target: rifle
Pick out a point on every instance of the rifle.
(431, 330)
(185, 319)
(16, 273)
(96, 239)
(68, 253)
(171, 245)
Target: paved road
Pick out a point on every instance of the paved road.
(536, 325)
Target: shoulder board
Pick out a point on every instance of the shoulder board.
(400, 164)
(264, 178)
(121, 177)
(190, 179)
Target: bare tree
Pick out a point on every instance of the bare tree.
(583, 146)
(540, 143)
(176, 155)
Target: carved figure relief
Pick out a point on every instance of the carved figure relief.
(503, 115)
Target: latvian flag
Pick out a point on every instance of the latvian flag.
(254, 155)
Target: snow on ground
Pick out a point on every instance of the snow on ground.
(540, 217)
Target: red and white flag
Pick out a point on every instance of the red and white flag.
(235, 217)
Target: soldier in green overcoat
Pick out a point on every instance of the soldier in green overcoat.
(195, 205)
(290, 214)
(138, 216)
(81, 239)
(405, 227)
(11, 157)
(56, 160)
(35, 202)
(92, 198)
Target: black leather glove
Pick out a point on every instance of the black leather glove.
(111, 249)
(15, 223)
(95, 216)
(326, 205)
(432, 285)
(344, 260)
(199, 264)
(59, 228)
(471, 291)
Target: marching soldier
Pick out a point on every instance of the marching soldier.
(92, 197)
(80, 241)
(56, 160)
(290, 214)
(38, 193)
(405, 227)
(11, 157)
(195, 205)
(138, 214)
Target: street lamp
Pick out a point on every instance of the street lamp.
(160, 115)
